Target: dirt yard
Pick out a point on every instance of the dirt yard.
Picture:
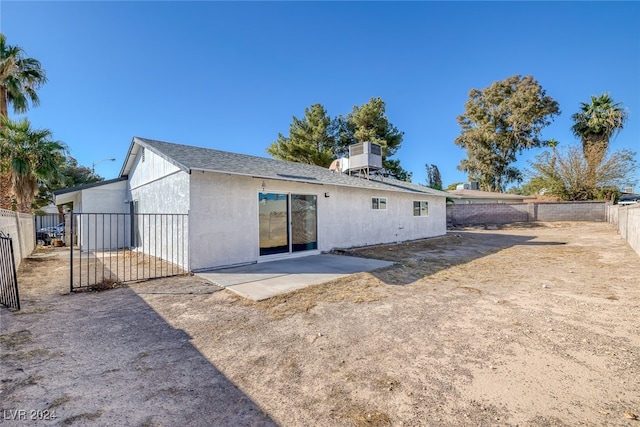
(529, 326)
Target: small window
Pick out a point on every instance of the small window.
(420, 208)
(379, 203)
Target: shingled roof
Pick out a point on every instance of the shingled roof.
(190, 158)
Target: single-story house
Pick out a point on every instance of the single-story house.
(246, 209)
(468, 196)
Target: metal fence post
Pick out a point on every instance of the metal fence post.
(15, 275)
(71, 250)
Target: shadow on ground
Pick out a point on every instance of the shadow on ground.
(430, 256)
(109, 359)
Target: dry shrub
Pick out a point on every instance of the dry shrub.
(357, 413)
(369, 418)
(13, 339)
(105, 284)
(59, 401)
(405, 250)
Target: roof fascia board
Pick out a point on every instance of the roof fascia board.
(125, 170)
(140, 142)
(407, 191)
(91, 185)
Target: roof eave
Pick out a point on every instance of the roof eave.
(430, 192)
(133, 152)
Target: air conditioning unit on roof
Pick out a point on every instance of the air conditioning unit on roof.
(365, 155)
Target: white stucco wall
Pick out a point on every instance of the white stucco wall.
(104, 198)
(224, 217)
(223, 220)
(100, 227)
(159, 187)
(349, 221)
(149, 167)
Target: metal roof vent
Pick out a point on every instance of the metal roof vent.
(365, 157)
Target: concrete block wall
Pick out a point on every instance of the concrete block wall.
(570, 211)
(503, 213)
(487, 213)
(21, 228)
(627, 221)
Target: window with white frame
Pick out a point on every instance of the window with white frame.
(420, 208)
(379, 203)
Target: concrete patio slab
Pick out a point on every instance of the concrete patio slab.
(267, 279)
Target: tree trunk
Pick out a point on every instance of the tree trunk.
(3, 104)
(5, 177)
(594, 148)
(6, 199)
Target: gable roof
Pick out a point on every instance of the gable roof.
(190, 158)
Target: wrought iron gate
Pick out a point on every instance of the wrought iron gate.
(8, 278)
(112, 248)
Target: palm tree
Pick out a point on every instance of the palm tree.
(595, 124)
(29, 156)
(20, 77)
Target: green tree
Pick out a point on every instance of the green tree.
(500, 122)
(393, 169)
(71, 174)
(317, 139)
(595, 124)
(30, 156)
(434, 179)
(565, 173)
(311, 139)
(369, 122)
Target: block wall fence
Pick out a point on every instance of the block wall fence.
(506, 213)
(627, 220)
(21, 228)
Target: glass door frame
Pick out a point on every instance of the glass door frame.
(289, 218)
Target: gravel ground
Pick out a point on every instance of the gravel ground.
(531, 325)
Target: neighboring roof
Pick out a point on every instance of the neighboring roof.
(629, 197)
(190, 158)
(92, 185)
(477, 194)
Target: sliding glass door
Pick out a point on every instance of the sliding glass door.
(287, 223)
(273, 214)
(304, 227)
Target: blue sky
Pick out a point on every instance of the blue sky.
(230, 75)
